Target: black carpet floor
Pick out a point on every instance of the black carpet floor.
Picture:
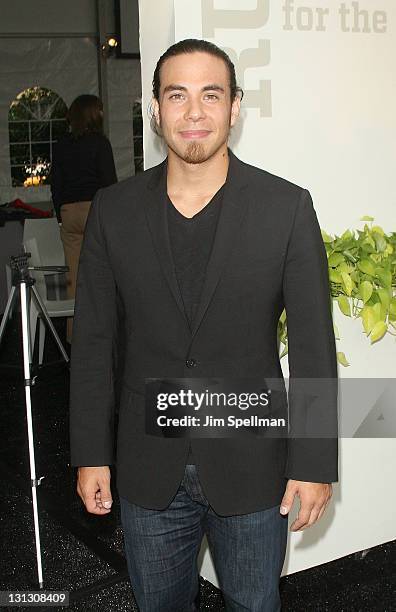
(82, 553)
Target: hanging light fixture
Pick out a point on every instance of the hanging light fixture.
(108, 47)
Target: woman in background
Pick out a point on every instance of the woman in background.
(82, 163)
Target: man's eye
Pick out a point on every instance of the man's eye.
(212, 96)
(175, 95)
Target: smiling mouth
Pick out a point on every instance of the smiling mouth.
(195, 133)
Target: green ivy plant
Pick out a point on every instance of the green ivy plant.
(362, 274)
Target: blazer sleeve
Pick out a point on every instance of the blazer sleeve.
(313, 384)
(92, 355)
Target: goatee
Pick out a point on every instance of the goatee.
(195, 153)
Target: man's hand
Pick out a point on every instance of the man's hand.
(93, 486)
(314, 497)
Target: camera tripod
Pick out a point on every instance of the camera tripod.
(22, 281)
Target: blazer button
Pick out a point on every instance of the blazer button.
(190, 363)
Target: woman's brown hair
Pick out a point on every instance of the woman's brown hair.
(85, 115)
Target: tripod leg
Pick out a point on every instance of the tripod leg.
(7, 311)
(41, 340)
(44, 312)
(32, 323)
(34, 481)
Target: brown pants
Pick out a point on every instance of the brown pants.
(74, 217)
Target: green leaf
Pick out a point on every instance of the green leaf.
(367, 266)
(366, 218)
(335, 259)
(377, 310)
(326, 237)
(335, 276)
(385, 276)
(380, 242)
(336, 332)
(344, 305)
(392, 308)
(368, 247)
(344, 267)
(384, 296)
(378, 331)
(346, 235)
(349, 256)
(347, 282)
(342, 359)
(369, 318)
(365, 290)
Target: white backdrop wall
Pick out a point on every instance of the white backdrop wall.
(319, 109)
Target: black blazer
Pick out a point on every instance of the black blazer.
(268, 253)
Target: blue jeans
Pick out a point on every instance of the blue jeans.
(162, 547)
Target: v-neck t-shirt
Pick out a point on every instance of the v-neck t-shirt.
(191, 241)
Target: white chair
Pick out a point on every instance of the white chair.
(46, 231)
(41, 238)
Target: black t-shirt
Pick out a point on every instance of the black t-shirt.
(80, 166)
(191, 244)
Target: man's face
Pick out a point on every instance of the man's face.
(195, 111)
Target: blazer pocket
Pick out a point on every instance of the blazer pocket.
(132, 415)
(132, 400)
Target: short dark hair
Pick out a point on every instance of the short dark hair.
(85, 115)
(191, 45)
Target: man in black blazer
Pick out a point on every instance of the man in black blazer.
(190, 264)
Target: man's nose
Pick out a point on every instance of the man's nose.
(194, 110)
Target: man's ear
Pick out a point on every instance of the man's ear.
(156, 111)
(235, 110)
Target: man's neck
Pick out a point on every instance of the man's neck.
(196, 181)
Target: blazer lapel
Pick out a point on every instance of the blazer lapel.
(158, 224)
(232, 211)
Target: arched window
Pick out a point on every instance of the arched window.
(36, 119)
